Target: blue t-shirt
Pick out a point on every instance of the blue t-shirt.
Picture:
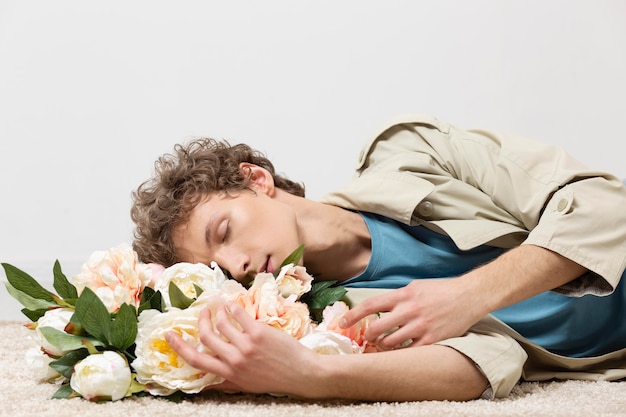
(570, 326)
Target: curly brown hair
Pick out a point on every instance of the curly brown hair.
(181, 180)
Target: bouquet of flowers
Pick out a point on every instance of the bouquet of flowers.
(101, 336)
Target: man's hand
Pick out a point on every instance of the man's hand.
(252, 356)
(428, 311)
(423, 312)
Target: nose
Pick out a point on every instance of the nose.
(236, 263)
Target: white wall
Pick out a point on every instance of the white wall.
(92, 92)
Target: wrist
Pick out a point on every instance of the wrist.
(481, 296)
(322, 376)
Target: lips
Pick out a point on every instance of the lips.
(267, 266)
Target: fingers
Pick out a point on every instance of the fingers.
(208, 336)
(225, 325)
(389, 332)
(242, 317)
(396, 339)
(378, 304)
(239, 328)
(219, 347)
(199, 360)
(398, 328)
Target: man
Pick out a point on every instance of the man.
(495, 219)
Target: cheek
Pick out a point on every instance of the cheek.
(266, 225)
(285, 231)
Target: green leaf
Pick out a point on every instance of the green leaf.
(28, 301)
(34, 315)
(198, 289)
(124, 328)
(177, 298)
(64, 302)
(328, 297)
(135, 387)
(64, 392)
(64, 288)
(150, 299)
(146, 295)
(320, 286)
(65, 364)
(65, 341)
(157, 302)
(176, 397)
(318, 289)
(322, 294)
(145, 303)
(93, 316)
(23, 282)
(293, 258)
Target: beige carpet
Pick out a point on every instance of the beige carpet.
(21, 395)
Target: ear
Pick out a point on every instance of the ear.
(260, 178)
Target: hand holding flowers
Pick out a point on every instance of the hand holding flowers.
(108, 330)
(251, 356)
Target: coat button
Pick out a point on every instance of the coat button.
(562, 205)
(425, 208)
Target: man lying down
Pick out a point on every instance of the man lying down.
(493, 257)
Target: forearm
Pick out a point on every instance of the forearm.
(431, 372)
(520, 273)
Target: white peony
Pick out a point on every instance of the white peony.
(102, 376)
(328, 343)
(56, 318)
(158, 366)
(187, 276)
(293, 280)
(39, 362)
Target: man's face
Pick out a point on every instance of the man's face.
(245, 234)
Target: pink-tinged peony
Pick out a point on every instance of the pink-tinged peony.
(330, 321)
(115, 275)
(262, 300)
(295, 319)
(293, 279)
(264, 303)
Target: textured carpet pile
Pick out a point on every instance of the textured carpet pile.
(22, 395)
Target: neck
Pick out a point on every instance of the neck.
(336, 241)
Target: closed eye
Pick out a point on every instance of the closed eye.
(224, 231)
